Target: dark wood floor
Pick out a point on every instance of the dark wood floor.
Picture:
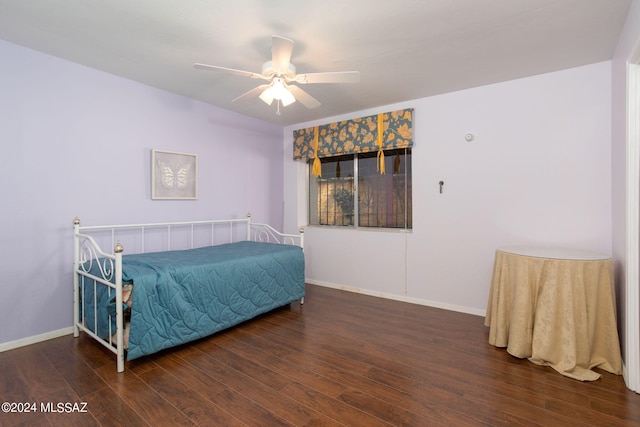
(341, 359)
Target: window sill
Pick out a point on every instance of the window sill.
(365, 229)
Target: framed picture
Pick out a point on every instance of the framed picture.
(174, 176)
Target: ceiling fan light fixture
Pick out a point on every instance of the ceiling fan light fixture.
(287, 98)
(277, 90)
(267, 95)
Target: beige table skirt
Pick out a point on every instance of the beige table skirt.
(555, 312)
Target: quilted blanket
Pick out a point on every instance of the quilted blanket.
(181, 296)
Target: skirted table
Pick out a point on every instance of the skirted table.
(557, 308)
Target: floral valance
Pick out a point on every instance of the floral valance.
(378, 132)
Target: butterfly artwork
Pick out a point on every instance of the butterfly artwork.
(174, 175)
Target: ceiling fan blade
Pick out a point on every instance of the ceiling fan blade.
(228, 70)
(304, 98)
(281, 49)
(253, 93)
(331, 77)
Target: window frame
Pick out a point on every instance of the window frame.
(355, 158)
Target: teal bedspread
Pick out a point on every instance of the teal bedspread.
(180, 296)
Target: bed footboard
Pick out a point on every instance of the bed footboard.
(103, 271)
(265, 233)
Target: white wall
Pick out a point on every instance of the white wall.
(538, 172)
(623, 194)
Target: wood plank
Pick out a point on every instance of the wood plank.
(256, 388)
(109, 409)
(197, 407)
(144, 400)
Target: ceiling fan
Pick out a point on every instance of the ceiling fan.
(280, 74)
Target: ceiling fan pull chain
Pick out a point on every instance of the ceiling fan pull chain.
(278, 110)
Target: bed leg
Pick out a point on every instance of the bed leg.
(301, 300)
(76, 280)
(119, 312)
(120, 361)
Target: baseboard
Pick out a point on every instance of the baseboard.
(35, 339)
(402, 298)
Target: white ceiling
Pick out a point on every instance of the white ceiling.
(404, 49)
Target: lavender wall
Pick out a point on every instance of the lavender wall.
(76, 142)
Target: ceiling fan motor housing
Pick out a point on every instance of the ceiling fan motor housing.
(268, 70)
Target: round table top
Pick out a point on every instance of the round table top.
(554, 253)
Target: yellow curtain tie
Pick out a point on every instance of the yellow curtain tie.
(380, 163)
(316, 170)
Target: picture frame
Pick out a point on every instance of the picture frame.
(174, 175)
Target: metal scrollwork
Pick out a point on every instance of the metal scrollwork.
(263, 236)
(89, 254)
(267, 234)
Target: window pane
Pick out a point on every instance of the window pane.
(384, 200)
(331, 196)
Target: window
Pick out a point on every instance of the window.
(359, 170)
(383, 200)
